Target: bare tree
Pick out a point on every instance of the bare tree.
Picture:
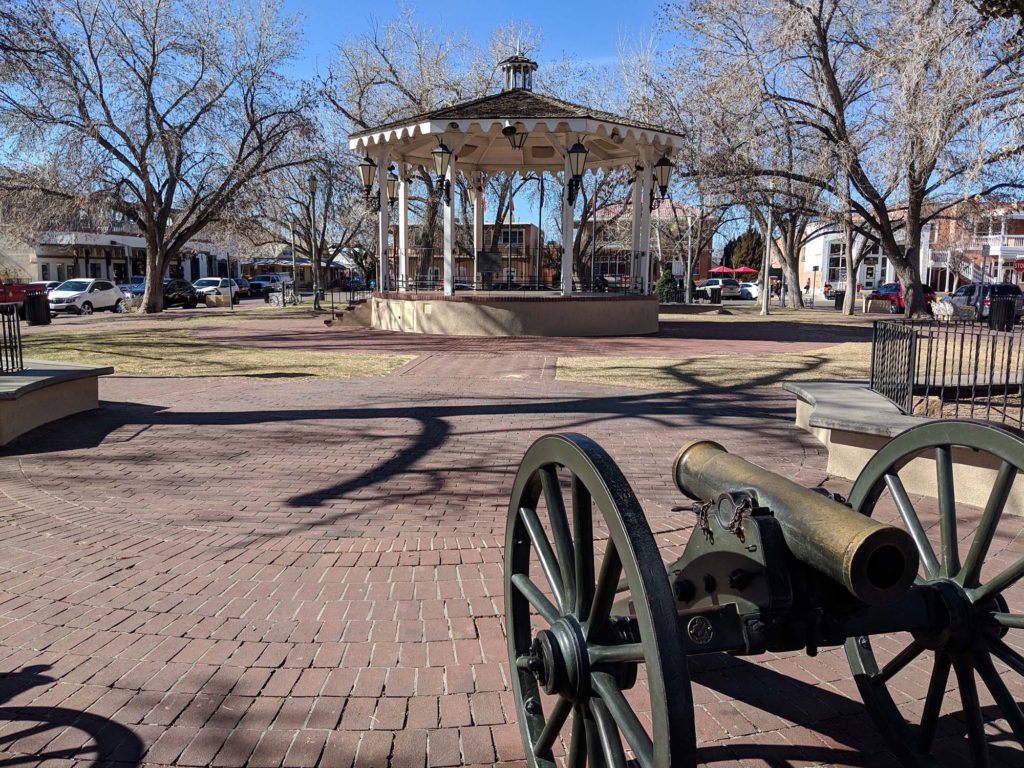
(174, 108)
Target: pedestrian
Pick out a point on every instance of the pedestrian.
(807, 286)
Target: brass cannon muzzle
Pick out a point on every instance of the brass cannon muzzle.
(877, 563)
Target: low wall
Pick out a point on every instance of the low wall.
(853, 423)
(515, 315)
(45, 392)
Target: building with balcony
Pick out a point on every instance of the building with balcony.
(98, 246)
(975, 240)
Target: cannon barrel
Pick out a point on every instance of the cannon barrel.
(877, 563)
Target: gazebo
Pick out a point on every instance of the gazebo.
(514, 130)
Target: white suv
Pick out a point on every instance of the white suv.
(216, 286)
(730, 287)
(82, 296)
(259, 284)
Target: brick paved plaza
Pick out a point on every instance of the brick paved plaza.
(286, 571)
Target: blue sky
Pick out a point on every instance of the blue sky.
(585, 30)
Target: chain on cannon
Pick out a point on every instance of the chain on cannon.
(600, 627)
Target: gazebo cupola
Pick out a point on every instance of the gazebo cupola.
(518, 71)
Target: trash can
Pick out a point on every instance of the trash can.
(1001, 313)
(715, 295)
(840, 297)
(37, 308)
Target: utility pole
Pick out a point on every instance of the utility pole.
(766, 279)
(689, 257)
(312, 243)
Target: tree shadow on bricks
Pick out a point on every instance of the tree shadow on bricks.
(33, 734)
(847, 734)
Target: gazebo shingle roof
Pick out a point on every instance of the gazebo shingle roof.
(515, 104)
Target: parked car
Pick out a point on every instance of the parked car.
(730, 286)
(216, 286)
(82, 296)
(13, 293)
(180, 293)
(979, 297)
(243, 286)
(749, 290)
(893, 292)
(43, 285)
(258, 284)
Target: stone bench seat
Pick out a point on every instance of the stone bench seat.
(45, 392)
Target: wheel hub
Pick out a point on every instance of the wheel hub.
(559, 661)
(964, 619)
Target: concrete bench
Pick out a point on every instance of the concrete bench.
(45, 392)
(853, 422)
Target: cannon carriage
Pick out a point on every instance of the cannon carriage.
(600, 628)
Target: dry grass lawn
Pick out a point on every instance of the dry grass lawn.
(841, 361)
(177, 353)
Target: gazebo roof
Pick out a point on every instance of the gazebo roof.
(477, 124)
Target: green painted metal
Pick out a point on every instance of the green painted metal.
(770, 566)
(972, 617)
(564, 637)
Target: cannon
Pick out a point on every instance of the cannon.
(600, 628)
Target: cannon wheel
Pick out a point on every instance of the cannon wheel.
(980, 616)
(570, 646)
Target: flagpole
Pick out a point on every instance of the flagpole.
(511, 213)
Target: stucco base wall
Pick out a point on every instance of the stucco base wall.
(46, 404)
(477, 316)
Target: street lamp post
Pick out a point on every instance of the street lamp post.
(312, 243)
(766, 278)
(295, 268)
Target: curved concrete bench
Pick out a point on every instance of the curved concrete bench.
(45, 392)
(853, 422)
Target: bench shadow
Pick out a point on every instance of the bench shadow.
(43, 731)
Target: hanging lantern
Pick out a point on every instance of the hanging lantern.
(577, 159)
(366, 170)
(442, 156)
(392, 186)
(662, 174)
(515, 137)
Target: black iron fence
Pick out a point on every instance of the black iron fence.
(956, 367)
(606, 284)
(11, 359)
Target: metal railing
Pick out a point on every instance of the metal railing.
(959, 368)
(11, 359)
(526, 283)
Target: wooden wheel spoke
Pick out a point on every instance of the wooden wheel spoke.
(913, 524)
(1011, 620)
(972, 711)
(607, 584)
(933, 702)
(1007, 655)
(947, 510)
(1004, 699)
(583, 529)
(535, 597)
(577, 757)
(899, 661)
(626, 719)
(548, 562)
(553, 726)
(610, 654)
(1004, 580)
(971, 571)
(561, 533)
(611, 744)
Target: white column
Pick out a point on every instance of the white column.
(384, 221)
(448, 215)
(635, 225)
(645, 226)
(567, 229)
(478, 220)
(403, 224)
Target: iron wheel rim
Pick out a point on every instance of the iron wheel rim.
(596, 709)
(990, 618)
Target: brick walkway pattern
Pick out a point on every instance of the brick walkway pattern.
(269, 572)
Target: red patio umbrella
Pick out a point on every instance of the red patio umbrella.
(745, 271)
(721, 270)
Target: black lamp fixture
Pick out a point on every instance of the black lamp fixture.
(515, 137)
(367, 169)
(392, 183)
(442, 157)
(577, 163)
(662, 174)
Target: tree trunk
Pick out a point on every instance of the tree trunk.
(153, 298)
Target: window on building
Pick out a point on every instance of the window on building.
(44, 272)
(836, 264)
(515, 237)
(94, 269)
